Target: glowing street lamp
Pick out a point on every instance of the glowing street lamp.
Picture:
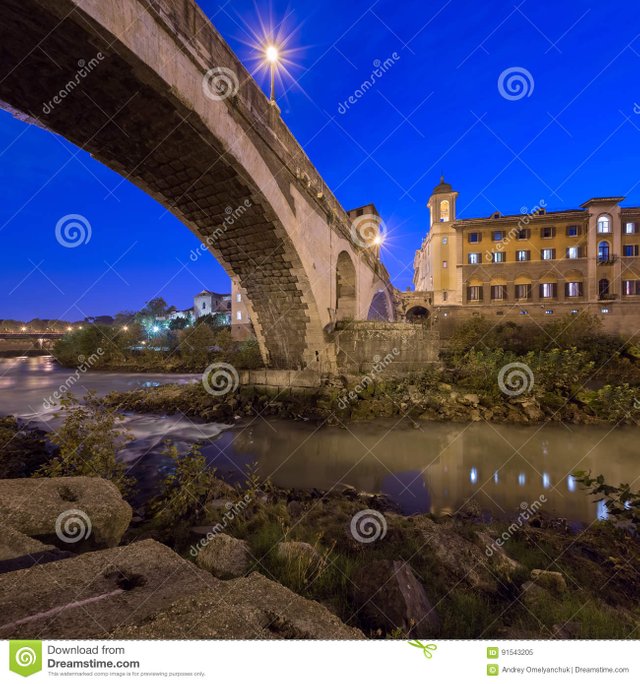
(272, 55)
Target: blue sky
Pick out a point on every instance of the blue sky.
(437, 109)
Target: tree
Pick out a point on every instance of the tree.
(197, 345)
(154, 308)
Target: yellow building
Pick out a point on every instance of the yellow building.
(538, 264)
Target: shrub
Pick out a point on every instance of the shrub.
(88, 442)
(187, 490)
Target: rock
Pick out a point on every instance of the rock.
(18, 551)
(532, 410)
(252, 607)
(535, 596)
(296, 509)
(476, 564)
(552, 581)
(505, 566)
(224, 557)
(444, 387)
(475, 416)
(568, 630)
(73, 513)
(472, 399)
(87, 596)
(389, 597)
(349, 492)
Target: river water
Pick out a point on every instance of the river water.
(434, 468)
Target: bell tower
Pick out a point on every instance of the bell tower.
(442, 203)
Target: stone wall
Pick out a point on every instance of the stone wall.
(385, 347)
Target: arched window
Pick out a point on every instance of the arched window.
(604, 224)
(603, 251)
(445, 211)
(603, 287)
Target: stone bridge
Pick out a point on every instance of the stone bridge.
(150, 89)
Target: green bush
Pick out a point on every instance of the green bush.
(88, 442)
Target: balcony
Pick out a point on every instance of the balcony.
(607, 297)
(606, 259)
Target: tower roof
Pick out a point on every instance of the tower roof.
(442, 188)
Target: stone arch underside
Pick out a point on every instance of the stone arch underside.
(346, 288)
(129, 119)
(381, 307)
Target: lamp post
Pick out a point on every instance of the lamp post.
(272, 56)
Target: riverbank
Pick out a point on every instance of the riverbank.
(416, 398)
(529, 577)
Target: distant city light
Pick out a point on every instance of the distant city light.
(155, 329)
(23, 329)
(522, 479)
(125, 327)
(473, 476)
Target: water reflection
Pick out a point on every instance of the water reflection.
(438, 467)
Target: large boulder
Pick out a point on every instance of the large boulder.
(251, 607)
(18, 551)
(145, 590)
(74, 513)
(224, 557)
(389, 597)
(87, 596)
(481, 564)
(550, 580)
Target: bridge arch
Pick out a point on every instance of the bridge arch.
(346, 288)
(222, 162)
(381, 307)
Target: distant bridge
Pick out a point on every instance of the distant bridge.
(31, 335)
(140, 84)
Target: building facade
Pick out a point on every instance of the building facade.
(212, 303)
(241, 327)
(540, 264)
